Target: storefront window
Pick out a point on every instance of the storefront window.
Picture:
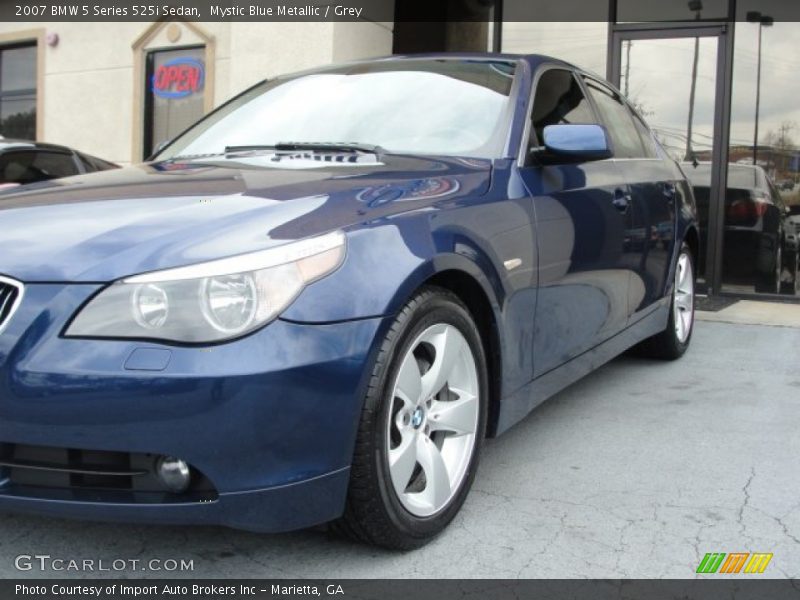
(175, 93)
(762, 202)
(18, 92)
(583, 44)
(683, 119)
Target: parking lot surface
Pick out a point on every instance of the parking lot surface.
(636, 471)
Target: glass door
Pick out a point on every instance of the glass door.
(672, 77)
(174, 93)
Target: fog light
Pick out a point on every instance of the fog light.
(174, 473)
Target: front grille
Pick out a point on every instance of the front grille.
(10, 295)
(38, 471)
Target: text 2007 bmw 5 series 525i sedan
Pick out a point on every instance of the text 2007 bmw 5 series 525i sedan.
(316, 303)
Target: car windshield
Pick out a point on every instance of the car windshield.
(438, 107)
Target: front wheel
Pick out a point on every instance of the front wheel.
(769, 282)
(674, 340)
(421, 427)
(792, 265)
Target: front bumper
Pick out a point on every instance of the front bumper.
(275, 509)
(270, 420)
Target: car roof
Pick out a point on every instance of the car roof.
(17, 144)
(533, 60)
(473, 56)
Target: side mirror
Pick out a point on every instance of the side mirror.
(578, 142)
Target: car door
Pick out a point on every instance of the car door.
(581, 228)
(651, 179)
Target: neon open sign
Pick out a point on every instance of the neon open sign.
(178, 78)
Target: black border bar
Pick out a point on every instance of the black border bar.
(735, 587)
(655, 11)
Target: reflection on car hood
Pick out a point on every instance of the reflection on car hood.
(108, 225)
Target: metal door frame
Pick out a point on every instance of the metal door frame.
(724, 32)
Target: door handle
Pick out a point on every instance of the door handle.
(621, 201)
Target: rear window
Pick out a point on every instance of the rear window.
(92, 163)
(29, 166)
(743, 178)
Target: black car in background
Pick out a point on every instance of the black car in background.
(24, 162)
(756, 248)
(793, 243)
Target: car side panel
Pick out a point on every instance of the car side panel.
(652, 183)
(516, 406)
(476, 236)
(583, 269)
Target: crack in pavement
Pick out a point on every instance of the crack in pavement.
(746, 504)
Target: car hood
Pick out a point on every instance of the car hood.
(104, 226)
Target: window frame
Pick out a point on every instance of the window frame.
(148, 143)
(26, 91)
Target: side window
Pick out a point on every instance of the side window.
(86, 163)
(17, 167)
(647, 137)
(618, 119)
(559, 99)
(92, 163)
(29, 166)
(54, 164)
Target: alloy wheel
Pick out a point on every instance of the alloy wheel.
(683, 304)
(432, 424)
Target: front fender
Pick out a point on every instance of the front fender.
(386, 261)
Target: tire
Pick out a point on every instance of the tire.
(400, 422)
(792, 263)
(671, 343)
(770, 282)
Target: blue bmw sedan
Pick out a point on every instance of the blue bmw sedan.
(314, 305)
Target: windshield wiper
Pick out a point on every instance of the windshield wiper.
(330, 147)
(310, 146)
(249, 147)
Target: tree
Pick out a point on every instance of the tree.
(782, 146)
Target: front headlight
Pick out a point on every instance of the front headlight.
(212, 301)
